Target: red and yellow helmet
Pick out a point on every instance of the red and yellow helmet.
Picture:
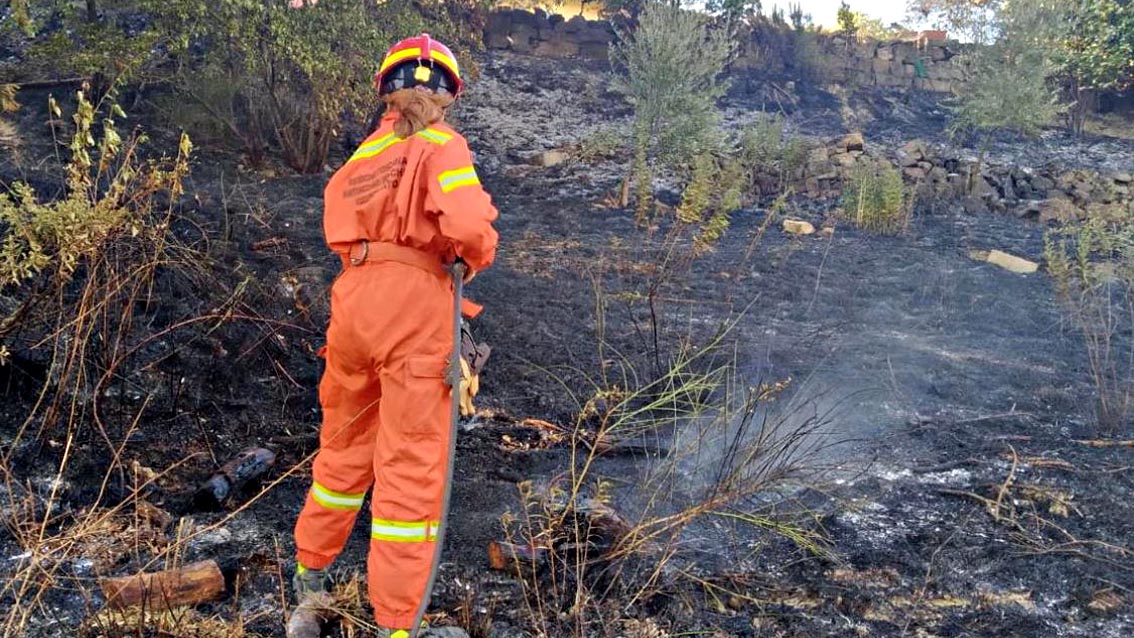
(419, 61)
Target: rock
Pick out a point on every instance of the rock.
(575, 25)
(1011, 262)
(1122, 178)
(1057, 210)
(915, 173)
(557, 48)
(845, 160)
(547, 159)
(797, 227)
(1042, 183)
(915, 148)
(853, 142)
(523, 38)
(818, 155)
(594, 50)
(884, 52)
(1107, 212)
(497, 40)
(974, 206)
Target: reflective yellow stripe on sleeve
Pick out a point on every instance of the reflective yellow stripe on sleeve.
(452, 180)
(403, 531)
(333, 500)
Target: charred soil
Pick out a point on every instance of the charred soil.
(960, 484)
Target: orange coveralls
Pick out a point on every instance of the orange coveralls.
(417, 202)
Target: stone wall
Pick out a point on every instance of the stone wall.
(548, 35)
(930, 66)
(1047, 194)
(899, 65)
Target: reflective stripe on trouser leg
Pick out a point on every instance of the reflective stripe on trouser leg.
(411, 462)
(342, 470)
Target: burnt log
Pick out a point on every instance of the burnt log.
(246, 467)
(509, 557)
(190, 585)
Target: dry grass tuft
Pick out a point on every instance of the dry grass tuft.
(9, 136)
(180, 623)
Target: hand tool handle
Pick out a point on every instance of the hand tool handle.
(457, 271)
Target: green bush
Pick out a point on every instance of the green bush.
(108, 187)
(74, 267)
(275, 75)
(1092, 263)
(770, 155)
(670, 73)
(877, 200)
(253, 71)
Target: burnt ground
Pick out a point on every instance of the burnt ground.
(940, 378)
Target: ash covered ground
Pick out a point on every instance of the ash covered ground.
(949, 478)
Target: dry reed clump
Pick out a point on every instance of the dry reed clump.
(588, 553)
(168, 623)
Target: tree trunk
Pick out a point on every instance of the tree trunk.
(92, 10)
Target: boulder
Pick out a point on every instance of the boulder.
(557, 48)
(497, 40)
(547, 159)
(852, 142)
(1011, 263)
(912, 153)
(1058, 210)
(1042, 183)
(914, 173)
(798, 227)
(524, 38)
(818, 155)
(1122, 178)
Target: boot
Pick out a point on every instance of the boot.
(426, 632)
(313, 602)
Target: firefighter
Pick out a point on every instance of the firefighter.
(406, 203)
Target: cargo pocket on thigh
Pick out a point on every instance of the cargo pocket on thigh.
(426, 367)
(427, 397)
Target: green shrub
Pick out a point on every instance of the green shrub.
(253, 71)
(670, 73)
(275, 75)
(807, 60)
(770, 155)
(107, 186)
(1092, 263)
(714, 192)
(74, 267)
(877, 200)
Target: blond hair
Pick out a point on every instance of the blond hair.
(418, 109)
